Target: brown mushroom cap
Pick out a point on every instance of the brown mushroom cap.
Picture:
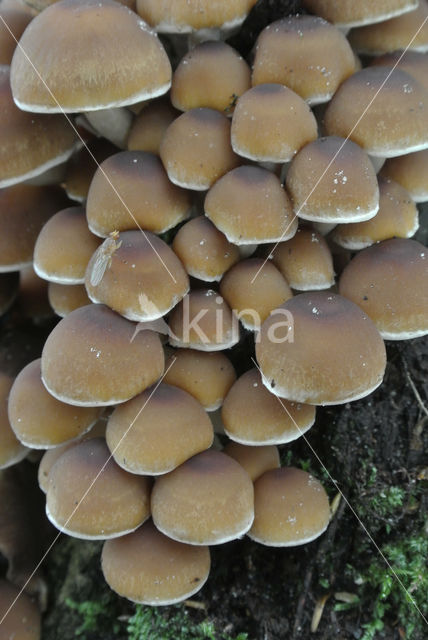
(150, 568)
(271, 123)
(158, 430)
(397, 217)
(255, 460)
(182, 16)
(206, 376)
(16, 20)
(39, 420)
(64, 247)
(90, 497)
(325, 350)
(143, 279)
(204, 251)
(196, 149)
(11, 450)
(252, 415)
(291, 508)
(19, 615)
(348, 13)
(411, 171)
(361, 109)
(406, 31)
(31, 144)
(253, 288)
(207, 500)
(250, 206)
(389, 282)
(93, 357)
(24, 210)
(413, 62)
(333, 180)
(304, 53)
(131, 190)
(305, 261)
(203, 321)
(149, 126)
(92, 81)
(211, 75)
(65, 298)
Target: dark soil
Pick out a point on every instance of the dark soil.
(363, 449)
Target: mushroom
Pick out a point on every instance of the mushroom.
(150, 568)
(255, 460)
(11, 449)
(206, 500)
(65, 298)
(252, 415)
(158, 430)
(16, 19)
(291, 508)
(93, 357)
(90, 497)
(347, 13)
(320, 348)
(411, 171)
(149, 126)
(19, 616)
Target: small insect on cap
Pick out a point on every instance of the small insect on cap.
(136, 274)
(148, 567)
(94, 357)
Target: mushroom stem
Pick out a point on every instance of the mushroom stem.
(377, 162)
(114, 124)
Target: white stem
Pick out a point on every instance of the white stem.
(113, 124)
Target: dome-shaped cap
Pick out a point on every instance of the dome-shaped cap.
(305, 261)
(196, 149)
(361, 109)
(143, 278)
(389, 281)
(64, 247)
(207, 376)
(255, 460)
(82, 166)
(39, 420)
(31, 144)
(407, 31)
(253, 288)
(413, 62)
(65, 298)
(411, 171)
(207, 500)
(149, 126)
(211, 75)
(333, 180)
(348, 13)
(250, 206)
(304, 53)
(89, 496)
(81, 64)
(397, 217)
(131, 189)
(93, 358)
(169, 426)
(24, 209)
(252, 415)
(150, 568)
(16, 19)
(325, 350)
(271, 123)
(203, 321)
(204, 250)
(182, 16)
(291, 508)
(20, 616)
(11, 449)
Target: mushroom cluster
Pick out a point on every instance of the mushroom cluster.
(177, 204)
